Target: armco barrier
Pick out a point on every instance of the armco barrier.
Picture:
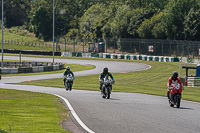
(35, 69)
(61, 66)
(112, 56)
(32, 69)
(139, 57)
(86, 54)
(48, 68)
(55, 67)
(150, 58)
(127, 56)
(106, 55)
(21, 70)
(145, 58)
(124, 56)
(9, 70)
(166, 59)
(100, 55)
(25, 70)
(135, 57)
(95, 55)
(75, 54)
(68, 54)
(118, 56)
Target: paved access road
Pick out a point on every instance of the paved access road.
(124, 112)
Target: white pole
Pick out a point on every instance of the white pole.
(2, 38)
(53, 27)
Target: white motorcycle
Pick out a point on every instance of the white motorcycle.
(68, 82)
(106, 87)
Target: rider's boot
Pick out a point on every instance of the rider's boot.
(168, 94)
(100, 87)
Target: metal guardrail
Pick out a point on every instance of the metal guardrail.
(27, 64)
(193, 81)
(29, 67)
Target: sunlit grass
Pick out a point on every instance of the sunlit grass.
(22, 111)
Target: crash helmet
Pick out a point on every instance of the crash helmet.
(175, 74)
(68, 68)
(105, 70)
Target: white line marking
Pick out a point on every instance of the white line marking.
(75, 115)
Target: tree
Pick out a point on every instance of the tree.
(136, 19)
(120, 23)
(42, 22)
(93, 20)
(15, 12)
(192, 25)
(173, 21)
(150, 29)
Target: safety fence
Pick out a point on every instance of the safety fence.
(123, 56)
(193, 81)
(30, 67)
(153, 47)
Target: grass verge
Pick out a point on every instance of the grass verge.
(23, 111)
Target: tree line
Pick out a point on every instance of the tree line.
(144, 19)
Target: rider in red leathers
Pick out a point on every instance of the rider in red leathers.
(172, 80)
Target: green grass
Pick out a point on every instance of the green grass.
(20, 35)
(22, 111)
(1, 131)
(152, 81)
(26, 47)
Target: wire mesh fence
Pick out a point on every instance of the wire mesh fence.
(122, 45)
(137, 46)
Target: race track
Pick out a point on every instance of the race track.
(124, 112)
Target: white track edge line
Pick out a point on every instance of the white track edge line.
(74, 114)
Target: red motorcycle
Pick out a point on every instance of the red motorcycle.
(174, 96)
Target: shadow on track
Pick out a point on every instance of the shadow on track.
(114, 99)
(186, 108)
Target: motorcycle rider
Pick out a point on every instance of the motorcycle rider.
(172, 80)
(103, 75)
(66, 72)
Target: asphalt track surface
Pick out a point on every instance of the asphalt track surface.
(124, 112)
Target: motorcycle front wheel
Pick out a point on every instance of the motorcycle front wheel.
(178, 102)
(107, 93)
(66, 87)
